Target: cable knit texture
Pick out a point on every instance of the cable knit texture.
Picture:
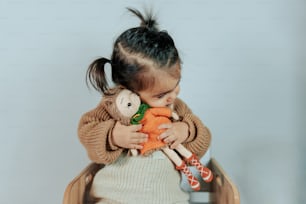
(95, 129)
(150, 180)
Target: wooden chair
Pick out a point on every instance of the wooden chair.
(220, 191)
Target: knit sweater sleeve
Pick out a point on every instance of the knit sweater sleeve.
(199, 137)
(94, 131)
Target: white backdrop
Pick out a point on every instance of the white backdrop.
(243, 75)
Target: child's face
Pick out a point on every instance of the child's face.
(164, 93)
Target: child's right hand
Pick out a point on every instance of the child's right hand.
(128, 136)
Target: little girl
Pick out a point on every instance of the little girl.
(145, 61)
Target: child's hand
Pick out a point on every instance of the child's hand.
(128, 136)
(175, 133)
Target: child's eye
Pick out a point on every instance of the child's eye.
(161, 95)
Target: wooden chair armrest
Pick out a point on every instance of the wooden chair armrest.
(74, 192)
(223, 190)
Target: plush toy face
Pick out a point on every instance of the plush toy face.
(127, 103)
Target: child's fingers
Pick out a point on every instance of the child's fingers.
(174, 144)
(138, 135)
(139, 138)
(168, 131)
(165, 135)
(135, 146)
(135, 128)
(165, 126)
(170, 139)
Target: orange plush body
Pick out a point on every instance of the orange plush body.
(154, 117)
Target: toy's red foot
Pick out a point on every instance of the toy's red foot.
(193, 181)
(205, 172)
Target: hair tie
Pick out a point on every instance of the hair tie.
(110, 62)
(105, 60)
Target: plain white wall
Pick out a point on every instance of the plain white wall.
(243, 74)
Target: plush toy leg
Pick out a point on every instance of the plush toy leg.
(206, 173)
(192, 159)
(134, 152)
(182, 167)
(193, 181)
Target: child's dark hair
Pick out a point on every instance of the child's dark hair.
(136, 51)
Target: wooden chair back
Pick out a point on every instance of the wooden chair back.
(221, 190)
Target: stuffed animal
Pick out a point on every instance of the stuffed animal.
(126, 107)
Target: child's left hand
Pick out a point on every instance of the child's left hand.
(175, 133)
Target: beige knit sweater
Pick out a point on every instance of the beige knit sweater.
(95, 129)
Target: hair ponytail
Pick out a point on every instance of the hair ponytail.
(147, 21)
(96, 75)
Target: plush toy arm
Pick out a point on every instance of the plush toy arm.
(175, 116)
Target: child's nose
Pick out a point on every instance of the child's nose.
(171, 97)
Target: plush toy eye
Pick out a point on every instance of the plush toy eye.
(129, 104)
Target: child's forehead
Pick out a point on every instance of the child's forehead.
(164, 83)
(157, 79)
(163, 73)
